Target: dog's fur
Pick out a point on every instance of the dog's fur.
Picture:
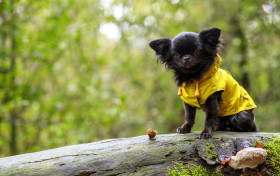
(189, 55)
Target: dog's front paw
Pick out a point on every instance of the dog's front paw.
(184, 129)
(205, 136)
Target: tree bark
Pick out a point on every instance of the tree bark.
(131, 156)
(243, 50)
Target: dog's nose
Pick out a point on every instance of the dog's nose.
(186, 58)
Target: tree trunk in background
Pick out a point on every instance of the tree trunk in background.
(243, 49)
(13, 112)
(133, 156)
(9, 9)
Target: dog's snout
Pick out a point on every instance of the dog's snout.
(186, 58)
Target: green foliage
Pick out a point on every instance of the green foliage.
(65, 79)
(193, 171)
(273, 149)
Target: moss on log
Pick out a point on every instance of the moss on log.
(131, 156)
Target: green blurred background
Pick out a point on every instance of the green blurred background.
(78, 71)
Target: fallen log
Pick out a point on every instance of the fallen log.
(131, 156)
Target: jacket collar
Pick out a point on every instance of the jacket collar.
(213, 69)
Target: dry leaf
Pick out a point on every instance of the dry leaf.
(259, 145)
(226, 161)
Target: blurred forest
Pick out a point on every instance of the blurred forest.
(81, 71)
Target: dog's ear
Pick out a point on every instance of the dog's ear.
(210, 36)
(161, 47)
(210, 40)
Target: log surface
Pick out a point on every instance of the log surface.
(130, 156)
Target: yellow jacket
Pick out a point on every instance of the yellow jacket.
(234, 97)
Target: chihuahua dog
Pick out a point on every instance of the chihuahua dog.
(195, 62)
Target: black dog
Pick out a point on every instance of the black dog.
(202, 84)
